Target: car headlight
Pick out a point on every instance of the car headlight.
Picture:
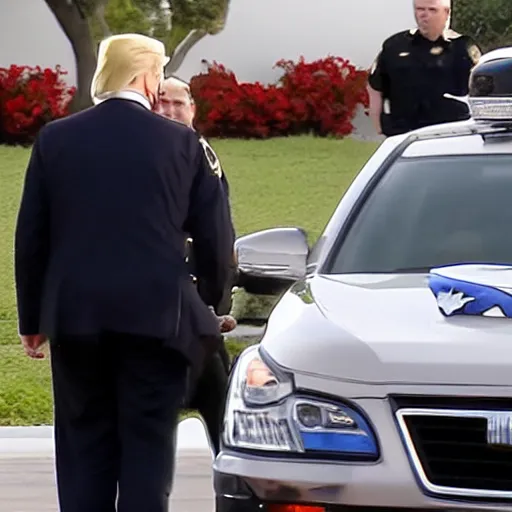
(263, 412)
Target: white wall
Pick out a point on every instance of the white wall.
(260, 32)
(257, 34)
(30, 35)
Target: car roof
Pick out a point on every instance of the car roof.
(461, 138)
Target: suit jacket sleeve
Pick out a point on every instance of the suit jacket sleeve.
(210, 226)
(31, 244)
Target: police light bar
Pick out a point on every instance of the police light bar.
(490, 87)
(491, 109)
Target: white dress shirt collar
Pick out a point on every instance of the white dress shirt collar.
(127, 94)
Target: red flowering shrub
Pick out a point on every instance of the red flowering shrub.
(29, 98)
(324, 94)
(227, 108)
(321, 97)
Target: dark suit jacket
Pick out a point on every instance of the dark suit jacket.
(106, 208)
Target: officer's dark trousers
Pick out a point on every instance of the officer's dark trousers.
(209, 394)
(117, 400)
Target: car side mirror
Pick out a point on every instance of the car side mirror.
(271, 260)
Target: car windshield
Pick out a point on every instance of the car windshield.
(427, 212)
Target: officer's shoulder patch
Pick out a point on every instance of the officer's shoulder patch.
(474, 53)
(450, 34)
(375, 63)
(211, 157)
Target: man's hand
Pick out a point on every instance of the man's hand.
(32, 344)
(227, 323)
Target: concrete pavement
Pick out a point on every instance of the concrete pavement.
(28, 484)
(27, 480)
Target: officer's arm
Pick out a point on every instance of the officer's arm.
(31, 244)
(376, 86)
(225, 184)
(223, 307)
(210, 226)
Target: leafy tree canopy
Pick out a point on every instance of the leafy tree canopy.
(489, 22)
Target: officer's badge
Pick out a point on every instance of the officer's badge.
(474, 53)
(211, 157)
(375, 63)
(436, 50)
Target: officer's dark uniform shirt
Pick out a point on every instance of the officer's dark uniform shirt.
(413, 73)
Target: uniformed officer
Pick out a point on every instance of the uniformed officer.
(415, 68)
(207, 389)
(110, 196)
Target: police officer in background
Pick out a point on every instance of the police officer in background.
(110, 195)
(208, 387)
(414, 70)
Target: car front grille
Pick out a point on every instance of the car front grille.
(451, 453)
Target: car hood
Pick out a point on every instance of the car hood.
(385, 329)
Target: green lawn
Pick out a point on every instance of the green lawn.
(278, 182)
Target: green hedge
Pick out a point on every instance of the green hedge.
(253, 309)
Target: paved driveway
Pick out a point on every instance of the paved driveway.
(27, 484)
(27, 481)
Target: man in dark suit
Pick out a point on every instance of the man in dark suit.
(110, 196)
(209, 383)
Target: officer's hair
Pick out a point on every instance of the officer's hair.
(180, 84)
(122, 58)
(444, 3)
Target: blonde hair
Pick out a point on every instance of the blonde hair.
(123, 57)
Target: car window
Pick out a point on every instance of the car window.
(427, 212)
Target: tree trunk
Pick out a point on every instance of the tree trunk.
(76, 27)
(179, 54)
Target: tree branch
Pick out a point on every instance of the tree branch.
(181, 51)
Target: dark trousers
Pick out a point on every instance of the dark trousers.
(208, 396)
(117, 399)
